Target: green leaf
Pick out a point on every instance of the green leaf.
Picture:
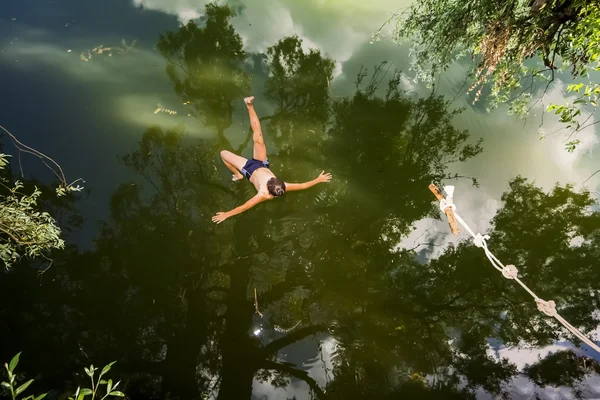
(41, 396)
(24, 386)
(6, 384)
(117, 393)
(14, 362)
(83, 393)
(107, 368)
(103, 382)
(109, 386)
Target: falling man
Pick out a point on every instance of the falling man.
(257, 170)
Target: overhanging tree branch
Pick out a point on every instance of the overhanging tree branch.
(16, 239)
(302, 375)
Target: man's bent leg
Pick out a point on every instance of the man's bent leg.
(234, 162)
(260, 150)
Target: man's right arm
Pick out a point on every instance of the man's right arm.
(222, 216)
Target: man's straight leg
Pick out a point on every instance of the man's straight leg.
(260, 150)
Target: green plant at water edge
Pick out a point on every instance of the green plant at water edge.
(504, 38)
(27, 231)
(80, 394)
(11, 385)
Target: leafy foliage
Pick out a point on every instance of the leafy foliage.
(299, 81)
(80, 394)
(205, 65)
(27, 231)
(561, 34)
(109, 389)
(562, 368)
(11, 385)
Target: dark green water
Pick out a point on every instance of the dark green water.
(360, 292)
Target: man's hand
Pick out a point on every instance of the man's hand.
(220, 217)
(324, 177)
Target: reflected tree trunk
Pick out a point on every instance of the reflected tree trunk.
(237, 345)
(182, 355)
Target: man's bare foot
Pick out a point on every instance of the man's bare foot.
(237, 177)
(249, 100)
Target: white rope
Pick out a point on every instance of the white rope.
(511, 272)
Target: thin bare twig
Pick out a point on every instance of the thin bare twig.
(35, 152)
(584, 122)
(588, 125)
(590, 177)
(21, 166)
(41, 273)
(423, 244)
(460, 90)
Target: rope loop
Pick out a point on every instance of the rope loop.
(479, 240)
(547, 307)
(510, 271)
(444, 203)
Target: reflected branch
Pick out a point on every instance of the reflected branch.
(300, 334)
(302, 375)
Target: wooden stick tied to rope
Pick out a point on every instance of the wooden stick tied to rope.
(449, 213)
(256, 303)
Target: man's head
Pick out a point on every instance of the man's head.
(276, 186)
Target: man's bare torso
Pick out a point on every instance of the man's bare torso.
(259, 179)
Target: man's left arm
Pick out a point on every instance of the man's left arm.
(323, 177)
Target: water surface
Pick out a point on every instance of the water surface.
(360, 291)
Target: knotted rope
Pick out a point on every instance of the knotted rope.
(508, 271)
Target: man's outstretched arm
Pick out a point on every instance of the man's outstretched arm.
(222, 216)
(323, 177)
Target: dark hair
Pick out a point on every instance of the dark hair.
(276, 186)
